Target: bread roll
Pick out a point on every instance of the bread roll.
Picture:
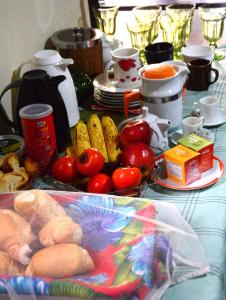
(22, 224)
(60, 230)
(59, 261)
(9, 266)
(37, 207)
(14, 240)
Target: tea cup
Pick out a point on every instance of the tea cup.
(209, 108)
(125, 63)
(191, 124)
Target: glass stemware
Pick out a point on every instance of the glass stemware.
(182, 15)
(173, 32)
(212, 18)
(106, 19)
(141, 34)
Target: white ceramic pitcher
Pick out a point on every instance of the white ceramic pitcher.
(54, 64)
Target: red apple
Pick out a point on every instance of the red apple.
(136, 131)
(139, 155)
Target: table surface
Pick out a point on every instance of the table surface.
(204, 209)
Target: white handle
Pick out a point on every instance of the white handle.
(106, 72)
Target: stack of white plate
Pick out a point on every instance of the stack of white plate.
(109, 96)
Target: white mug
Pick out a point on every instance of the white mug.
(209, 108)
(125, 63)
(191, 124)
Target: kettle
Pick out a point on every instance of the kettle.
(54, 65)
(36, 86)
(159, 140)
(163, 97)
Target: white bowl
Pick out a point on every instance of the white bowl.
(192, 52)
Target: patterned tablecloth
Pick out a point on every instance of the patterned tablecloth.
(204, 209)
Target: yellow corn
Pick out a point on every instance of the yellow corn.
(82, 141)
(96, 135)
(110, 132)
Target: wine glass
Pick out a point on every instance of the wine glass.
(141, 33)
(212, 18)
(106, 19)
(182, 13)
(173, 32)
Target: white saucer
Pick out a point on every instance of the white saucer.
(100, 83)
(221, 119)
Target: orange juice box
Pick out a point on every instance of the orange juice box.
(201, 145)
(182, 165)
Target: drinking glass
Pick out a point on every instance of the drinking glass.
(212, 18)
(141, 33)
(182, 13)
(106, 19)
(173, 32)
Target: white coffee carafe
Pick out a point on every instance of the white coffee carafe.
(54, 64)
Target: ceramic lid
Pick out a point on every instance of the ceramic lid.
(76, 37)
(46, 57)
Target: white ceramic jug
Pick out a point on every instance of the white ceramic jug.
(54, 64)
(163, 97)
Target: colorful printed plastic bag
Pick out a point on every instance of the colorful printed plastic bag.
(139, 248)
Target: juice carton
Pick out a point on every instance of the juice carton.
(201, 145)
(182, 164)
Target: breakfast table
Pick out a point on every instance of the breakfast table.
(204, 209)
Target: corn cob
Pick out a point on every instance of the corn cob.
(110, 132)
(82, 137)
(96, 135)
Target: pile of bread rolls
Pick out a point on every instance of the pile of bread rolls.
(37, 238)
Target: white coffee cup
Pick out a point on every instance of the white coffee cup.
(192, 52)
(209, 108)
(191, 124)
(125, 63)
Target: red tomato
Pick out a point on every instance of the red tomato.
(64, 169)
(100, 183)
(90, 162)
(124, 178)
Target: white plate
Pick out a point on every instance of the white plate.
(221, 120)
(207, 178)
(109, 105)
(100, 83)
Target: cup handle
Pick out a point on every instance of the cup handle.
(106, 72)
(216, 75)
(202, 120)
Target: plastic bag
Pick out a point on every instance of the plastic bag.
(139, 248)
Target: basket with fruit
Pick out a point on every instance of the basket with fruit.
(104, 160)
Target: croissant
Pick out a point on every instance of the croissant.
(58, 261)
(37, 207)
(14, 240)
(9, 266)
(60, 230)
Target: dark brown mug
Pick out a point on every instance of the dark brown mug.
(200, 76)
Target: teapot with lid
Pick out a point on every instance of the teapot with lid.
(159, 140)
(51, 62)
